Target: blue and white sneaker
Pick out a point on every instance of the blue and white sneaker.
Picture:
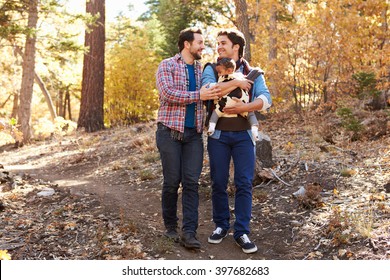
(217, 235)
(246, 245)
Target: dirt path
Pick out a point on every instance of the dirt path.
(121, 169)
(120, 193)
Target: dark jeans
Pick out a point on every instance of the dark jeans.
(181, 163)
(239, 146)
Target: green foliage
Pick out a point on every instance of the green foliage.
(175, 16)
(130, 93)
(123, 31)
(348, 120)
(366, 84)
(12, 13)
(8, 25)
(13, 122)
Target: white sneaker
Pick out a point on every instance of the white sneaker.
(246, 245)
(217, 235)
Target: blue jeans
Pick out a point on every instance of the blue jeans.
(181, 163)
(239, 146)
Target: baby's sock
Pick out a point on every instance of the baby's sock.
(211, 128)
(255, 132)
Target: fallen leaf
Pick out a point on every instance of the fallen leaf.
(4, 255)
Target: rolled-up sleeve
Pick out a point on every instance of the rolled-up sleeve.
(260, 90)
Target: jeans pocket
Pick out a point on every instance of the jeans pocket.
(163, 135)
(160, 126)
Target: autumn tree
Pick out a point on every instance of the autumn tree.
(131, 94)
(242, 23)
(26, 91)
(92, 93)
(315, 47)
(15, 33)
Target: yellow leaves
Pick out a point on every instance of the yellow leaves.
(377, 197)
(4, 256)
(130, 94)
(289, 147)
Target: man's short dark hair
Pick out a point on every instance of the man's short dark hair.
(187, 35)
(236, 37)
(227, 63)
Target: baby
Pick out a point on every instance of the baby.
(225, 68)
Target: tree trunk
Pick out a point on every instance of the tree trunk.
(67, 101)
(47, 96)
(273, 51)
(242, 23)
(43, 88)
(26, 91)
(15, 107)
(60, 103)
(92, 90)
(273, 34)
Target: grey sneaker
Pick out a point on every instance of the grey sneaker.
(246, 245)
(217, 235)
(171, 233)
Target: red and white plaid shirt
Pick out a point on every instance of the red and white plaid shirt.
(172, 85)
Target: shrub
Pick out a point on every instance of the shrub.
(366, 84)
(350, 122)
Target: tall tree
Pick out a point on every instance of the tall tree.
(273, 45)
(92, 89)
(175, 15)
(26, 91)
(14, 30)
(242, 23)
(130, 97)
(273, 31)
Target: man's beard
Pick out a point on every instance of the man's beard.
(196, 56)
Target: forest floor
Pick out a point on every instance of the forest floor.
(97, 195)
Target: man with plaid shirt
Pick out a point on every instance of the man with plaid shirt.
(179, 134)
